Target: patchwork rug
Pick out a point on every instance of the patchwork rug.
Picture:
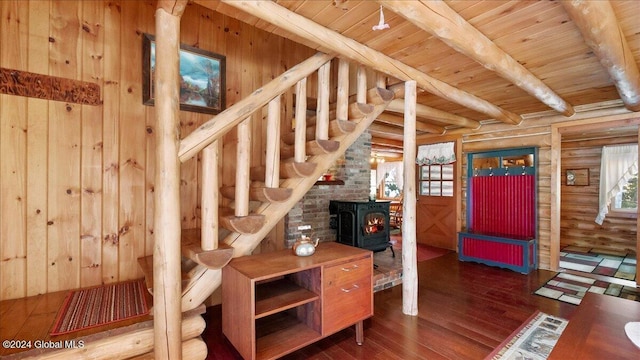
(572, 288)
(598, 261)
(532, 340)
(88, 308)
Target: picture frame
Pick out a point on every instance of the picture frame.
(577, 177)
(202, 78)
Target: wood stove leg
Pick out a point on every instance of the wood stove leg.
(360, 332)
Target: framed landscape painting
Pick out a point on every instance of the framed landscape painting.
(202, 77)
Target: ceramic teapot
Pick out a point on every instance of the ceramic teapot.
(305, 246)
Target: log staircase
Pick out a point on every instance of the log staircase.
(299, 149)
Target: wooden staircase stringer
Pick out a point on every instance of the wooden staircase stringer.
(243, 244)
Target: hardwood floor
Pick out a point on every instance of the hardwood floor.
(465, 311)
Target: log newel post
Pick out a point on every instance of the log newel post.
(409, 257)
(167, 312)
(300, 152)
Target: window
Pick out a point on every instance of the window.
(618, 180)
(627, 199)
(436, 180)
(390, 188)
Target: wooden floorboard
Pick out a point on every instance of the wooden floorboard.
(465, 311)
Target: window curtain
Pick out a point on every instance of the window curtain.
(393, 168)
(618, 164)
(436, 154)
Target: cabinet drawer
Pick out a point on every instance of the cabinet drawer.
(347, 304)
(346, 273)
(347, 294)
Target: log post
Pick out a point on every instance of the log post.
(167, 313)
(300, 152)
(210, 197)
(322, 122)
(272, 161)
(361, 85)
(243, 168)
(409, 257)
(342, 105)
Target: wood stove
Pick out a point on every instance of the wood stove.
(363, 224)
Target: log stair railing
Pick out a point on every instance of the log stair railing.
(236, 218)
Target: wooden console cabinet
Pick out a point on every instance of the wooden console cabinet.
(276, 303)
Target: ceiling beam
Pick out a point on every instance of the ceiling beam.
(438, 19)
(399, 121)
(599, 26)
(427, 112)
(355, 51)
(387, 142)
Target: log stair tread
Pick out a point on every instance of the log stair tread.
(212, 259)
(336, 128)
(288, 170)
(313, 147)
(249, 224)
(260, 193)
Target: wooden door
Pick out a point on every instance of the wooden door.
(438, 203)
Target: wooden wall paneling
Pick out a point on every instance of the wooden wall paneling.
(189, 121)
(13, 141)
(150, 121)
(111, 142)
(579, 205)
(64, 152)
(37, 129)
(91, 152)
(148, 26)
(132, 149)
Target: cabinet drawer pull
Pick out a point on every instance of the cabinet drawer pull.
(355, 286)
(350, 268)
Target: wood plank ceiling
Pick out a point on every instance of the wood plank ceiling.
(475, 61)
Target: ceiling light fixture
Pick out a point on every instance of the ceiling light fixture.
(381, 25)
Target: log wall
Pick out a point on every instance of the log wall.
(76, 206)
(579, 205)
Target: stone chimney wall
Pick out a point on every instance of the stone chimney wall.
(354, 169)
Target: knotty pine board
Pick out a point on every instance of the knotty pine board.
(64, 154)
(132, 193)
(13, 47)
(37, 167)
(91, 150)
(111, 123)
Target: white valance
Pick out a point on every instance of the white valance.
(395, 169)
(618, 164)
(436, 154)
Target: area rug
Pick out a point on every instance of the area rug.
(88, 308)
(620, 265)
(534, 339)
(572, 288)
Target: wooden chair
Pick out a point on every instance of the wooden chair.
(395, 213)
